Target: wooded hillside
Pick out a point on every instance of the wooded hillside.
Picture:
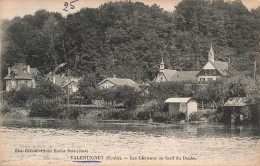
(128, 39)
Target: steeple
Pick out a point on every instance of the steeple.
(162, 65)
(211, 54)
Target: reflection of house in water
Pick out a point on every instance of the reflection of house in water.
(19, 75)
(185, 105)
(235, 109)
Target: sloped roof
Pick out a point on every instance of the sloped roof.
(59, 80)
(120, 81)
(221, 66)
(73, 81)
(236, 102)
(178, 100)
(20, 70)
(34, 70)
(184, 76)
(168, 73)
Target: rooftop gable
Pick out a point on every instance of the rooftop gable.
(119, 81)
(20, 71)
(184, 76)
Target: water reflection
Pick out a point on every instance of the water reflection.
(208, 143)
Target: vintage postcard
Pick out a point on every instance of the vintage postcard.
(131, 82)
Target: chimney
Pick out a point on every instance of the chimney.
(28, 69)
(9, 70)
(53, 80)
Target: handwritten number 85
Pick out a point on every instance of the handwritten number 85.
(66, 4)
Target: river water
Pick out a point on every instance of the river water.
(41, 141)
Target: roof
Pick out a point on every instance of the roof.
(34, 70)
(168, 73)
(221, 66)
(120, 81)
(236, 102)
(59, 80)
(21, 73)
(73, 81)
(178, 100)
(184, 76)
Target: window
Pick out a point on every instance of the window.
(210, 79)
(202, 79)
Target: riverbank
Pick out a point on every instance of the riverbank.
(120, 116)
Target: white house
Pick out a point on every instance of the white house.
(19, 75)
(186, 105)
(174, 75)
(212, 69)
(114, 82)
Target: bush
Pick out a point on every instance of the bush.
(118, 114)
(5, 110)
(144, 115)
(51, 108)
(160, 117)
(195, 116)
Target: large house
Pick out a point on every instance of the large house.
(114, 82)
(64, 82)
(19, 75)
(174, 75)
(210, 71)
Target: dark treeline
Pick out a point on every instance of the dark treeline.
(128, 39)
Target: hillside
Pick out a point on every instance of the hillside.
(128, 39)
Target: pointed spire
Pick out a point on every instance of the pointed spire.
(162, 65)
(211, 54)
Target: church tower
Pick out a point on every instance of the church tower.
(211, 54)
(162, 65)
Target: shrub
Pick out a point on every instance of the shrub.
(118, 114)
(42, 107)
(160, 117)
(195, 116)
(5, 109)
(144, 115)
(51, 108)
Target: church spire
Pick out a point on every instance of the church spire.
(211, 54)
(162, 65)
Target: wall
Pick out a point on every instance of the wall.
(16, 84)
(174, 108)
(208, 77)
(160, 77)
(192, 106)
(106, 84)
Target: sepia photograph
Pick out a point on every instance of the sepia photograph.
(130, 82)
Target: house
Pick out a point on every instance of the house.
(73, 84)
(186, 105)
(212, 69)
(62, 81)
(234, 107)
(55, 79)
(19, 75)
(174, 75)
(114, 82)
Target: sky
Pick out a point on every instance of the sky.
(12, 8)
